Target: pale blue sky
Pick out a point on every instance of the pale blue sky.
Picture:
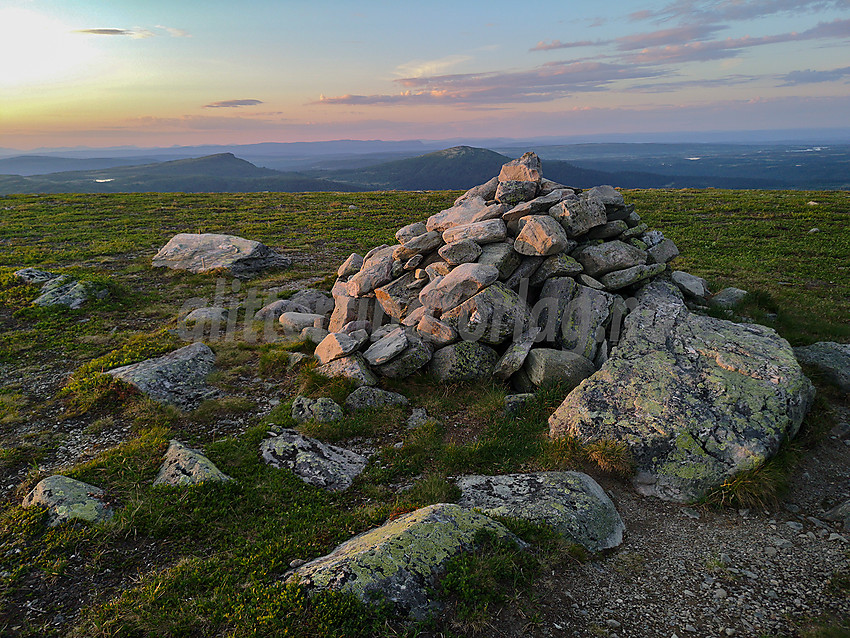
(157, 72)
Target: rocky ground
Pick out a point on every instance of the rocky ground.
(685, 571)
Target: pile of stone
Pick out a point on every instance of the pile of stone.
(522, 278)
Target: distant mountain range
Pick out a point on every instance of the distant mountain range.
(341, 168)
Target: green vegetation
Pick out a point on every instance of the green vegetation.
(210, 560)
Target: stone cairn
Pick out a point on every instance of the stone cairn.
(522, 278)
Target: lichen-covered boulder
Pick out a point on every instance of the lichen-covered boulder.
(492, 316)
(178, 378)
(199, 253)
(64, 291)
(186, 466)
(321, 410)
(572, 503)
(831, 358)
(327, 466)
(67, 499)
(463, 361)
(369, 397)
(402, 559)
(696, 399)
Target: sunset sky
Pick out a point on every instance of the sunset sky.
(180, 72)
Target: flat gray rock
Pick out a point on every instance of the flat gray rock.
(387, 347)
(67, 499)
(178, 378)
(327, 466)
(199, 253)
(185, 466)
(619, 279)
(572, 503)
(831, 358)
(696, 399)
(368, 397)
(402, 559)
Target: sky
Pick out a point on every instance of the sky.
(150, 73)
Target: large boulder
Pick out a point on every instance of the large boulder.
(206, 252)
(67, 499)
(178, 378)
(185, 466)
(696, 399)
(572, 503)
(327, 466)
(402, 559)
(541, 236)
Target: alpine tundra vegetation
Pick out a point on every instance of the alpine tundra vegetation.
(510, 411)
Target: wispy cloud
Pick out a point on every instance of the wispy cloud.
(544, 83)
(677, 35)
(137, 33)
(809, 76)
(232, 104)
(419, 68)
(557, 44)
(669, 87)
(730, 47)
(713, 11)
(174, 33)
